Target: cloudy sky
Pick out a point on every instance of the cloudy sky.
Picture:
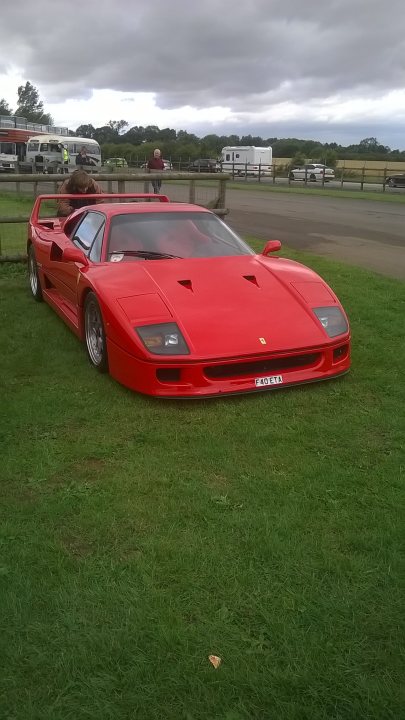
(329, 70)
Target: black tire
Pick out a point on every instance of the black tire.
(312, 178)
(291, 176)
(391, 183)
(94, 334)
(33, 276)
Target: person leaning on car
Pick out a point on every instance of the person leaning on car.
(79, 183)
(156, 163)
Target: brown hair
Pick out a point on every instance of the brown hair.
(79, 181)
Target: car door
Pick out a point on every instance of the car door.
(87, 235)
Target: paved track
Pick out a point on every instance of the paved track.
(359, 232)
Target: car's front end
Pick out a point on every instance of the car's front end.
(204, 377)
(227, 325)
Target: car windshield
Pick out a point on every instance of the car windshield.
(153, 235)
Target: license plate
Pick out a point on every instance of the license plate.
(269, 380)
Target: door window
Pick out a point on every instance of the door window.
(91, 228)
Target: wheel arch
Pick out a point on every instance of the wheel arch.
(85, 291)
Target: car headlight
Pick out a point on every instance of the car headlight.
(163, 339)
(332, 320)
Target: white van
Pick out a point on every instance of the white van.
(247, 160)
(44, 152)
(8, 157)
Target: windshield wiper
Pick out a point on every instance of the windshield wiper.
(147, 254)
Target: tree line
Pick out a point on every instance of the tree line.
(118, 139)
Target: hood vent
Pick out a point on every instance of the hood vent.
(252, 279)
(186, 283)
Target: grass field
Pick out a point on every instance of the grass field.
(139, 536)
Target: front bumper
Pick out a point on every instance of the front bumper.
(214, 377)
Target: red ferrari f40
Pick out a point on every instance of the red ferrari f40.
(172, 303)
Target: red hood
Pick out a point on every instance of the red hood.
(228, 306)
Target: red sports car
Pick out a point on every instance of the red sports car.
(170, 301)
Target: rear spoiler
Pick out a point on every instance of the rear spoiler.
(93, 196)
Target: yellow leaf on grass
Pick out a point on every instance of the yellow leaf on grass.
(215, 661)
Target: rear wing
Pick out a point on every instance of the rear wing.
(101, 197)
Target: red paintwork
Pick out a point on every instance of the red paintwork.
(223, 315)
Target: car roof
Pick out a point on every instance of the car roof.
(111, 209)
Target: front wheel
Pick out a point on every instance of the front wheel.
(33, 276)
(391, 183)
(291, 176)
(94, 334)
(312, 178)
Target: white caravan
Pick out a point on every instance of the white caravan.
(247, 160)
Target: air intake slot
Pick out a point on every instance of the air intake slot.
(252, 279)
(186, 283)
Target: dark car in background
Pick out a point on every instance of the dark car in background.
(204, 165)
(396, 180)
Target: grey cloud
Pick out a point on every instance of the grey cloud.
(246, 56)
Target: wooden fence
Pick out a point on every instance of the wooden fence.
(207, 190)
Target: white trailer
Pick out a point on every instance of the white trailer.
(247, 160)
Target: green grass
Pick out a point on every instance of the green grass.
(325, 191)
(138, 536)
(13, 236)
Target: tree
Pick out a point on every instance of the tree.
(30, 106)
(5, 108)
(105, 134)
(117, 125)
(86, 131)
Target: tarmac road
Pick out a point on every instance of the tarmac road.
(359, 232)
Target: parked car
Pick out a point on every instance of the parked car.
(116, 162)
(172, 303)
(396, 180)
(204, 165)
(313, 172)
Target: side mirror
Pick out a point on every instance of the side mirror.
(74, 254)
(271, 246)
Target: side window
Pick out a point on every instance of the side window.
(95, 252)
(87, 231)
(70, 225)
(227, 156)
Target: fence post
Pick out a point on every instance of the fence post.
(260, 168)
(274, 173)
(35, 188)
(384, 179)
(362, 177)
(146, 186)
(121, 186)
(221, 193)
(341, 177)
(191, 196)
